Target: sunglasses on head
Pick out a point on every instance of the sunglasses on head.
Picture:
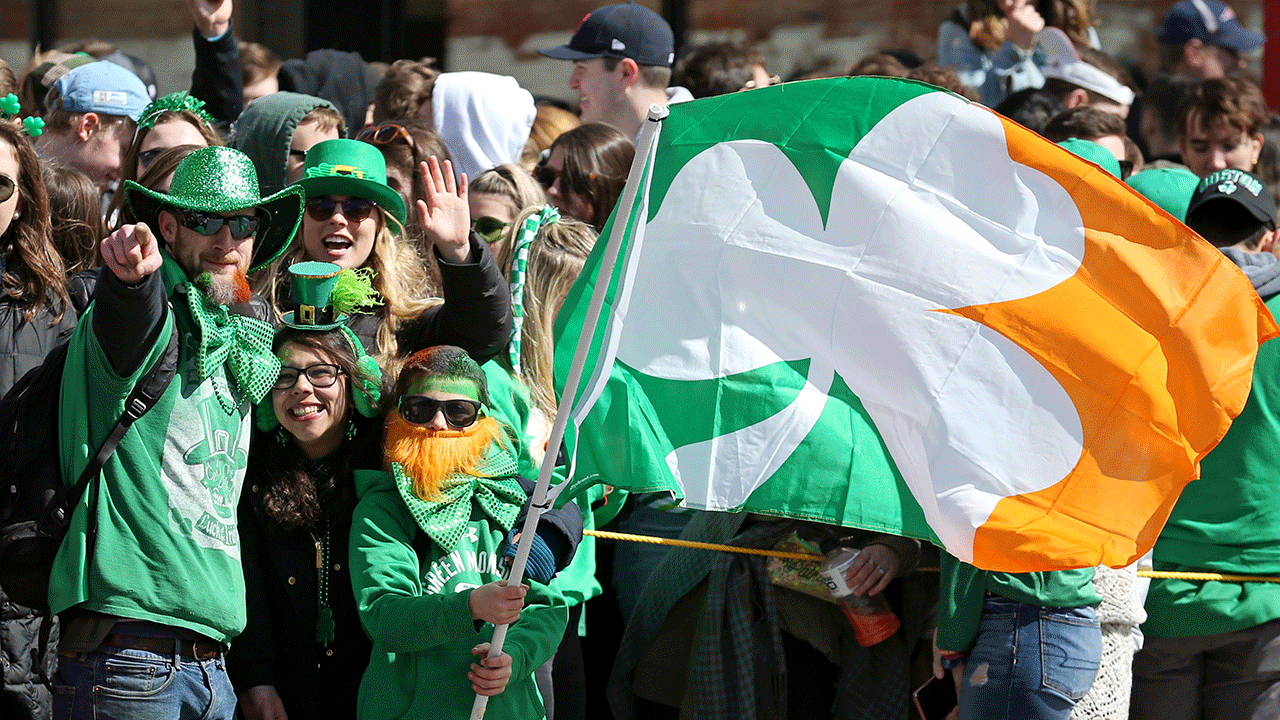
(7, 187)
(385, 135)
(489, 228)
(321, 375)
(353, 209)
(421, 410)
(241, 226)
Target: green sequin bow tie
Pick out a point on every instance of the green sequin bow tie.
(243, 343)
(445, 520)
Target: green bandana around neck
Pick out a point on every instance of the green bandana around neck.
(497, 491)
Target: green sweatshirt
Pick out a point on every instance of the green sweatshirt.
(413, 600)
(964, 589)
(1228, 521)
(167, 549)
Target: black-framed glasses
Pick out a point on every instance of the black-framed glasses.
(421, 410)
(385, 134)
(7, 186)
(241, 226)
(353, 209)
(546, 176)
(489, 228)
(321, 375)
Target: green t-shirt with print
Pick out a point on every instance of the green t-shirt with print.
(167, 547)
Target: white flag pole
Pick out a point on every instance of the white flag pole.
(541, 500)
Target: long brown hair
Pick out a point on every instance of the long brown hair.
(597, 158)
(75, 212)
(34, 273)
(294, 496)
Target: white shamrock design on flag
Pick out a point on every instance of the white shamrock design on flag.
(967, 415)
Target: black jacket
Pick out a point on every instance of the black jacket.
(28, 640)
(475, 314)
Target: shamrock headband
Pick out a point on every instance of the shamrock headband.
(173, 102)
(10, 106)
(519, 270)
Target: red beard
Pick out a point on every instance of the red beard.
(429, 457)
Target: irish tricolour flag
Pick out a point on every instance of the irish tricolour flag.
(872, 303)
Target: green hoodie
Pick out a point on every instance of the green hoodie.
(264, 132)
(413, 599)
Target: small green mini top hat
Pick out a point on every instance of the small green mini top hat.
(222, 179)
(326, 294)
(350, 167)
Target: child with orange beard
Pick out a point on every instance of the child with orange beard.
(426, 549)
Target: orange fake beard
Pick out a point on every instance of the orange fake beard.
(429, 457)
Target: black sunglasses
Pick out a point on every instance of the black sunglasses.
(321, 375)
(241, 226)
(6, 187)
(146, 157)
(353, 209)
(489, 228)
(420, 410)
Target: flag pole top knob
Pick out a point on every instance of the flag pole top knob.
(657, 112)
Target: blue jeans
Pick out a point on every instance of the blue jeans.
(129, 684)
(1029, 662)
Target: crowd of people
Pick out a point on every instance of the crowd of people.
(360, 266)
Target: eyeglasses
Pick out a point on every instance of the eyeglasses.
(385, 135)
(353, 209)
(321, 375)
(241, 226)
(6, 187)
(421, 410)
(489, 228)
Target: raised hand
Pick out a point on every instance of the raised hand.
(444, 213)
(132, 253)
(212, 17)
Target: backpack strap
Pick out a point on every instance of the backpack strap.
(144, 396)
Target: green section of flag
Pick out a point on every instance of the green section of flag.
(815, 139)
(841, 472)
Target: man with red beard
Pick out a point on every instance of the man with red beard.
(148, 578)
(426, 544)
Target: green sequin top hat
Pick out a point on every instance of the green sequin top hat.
(350, 167)
(222, 179)
(325, 294)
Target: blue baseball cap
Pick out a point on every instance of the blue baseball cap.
(1212, 22)
(101, 87)
(625, 30)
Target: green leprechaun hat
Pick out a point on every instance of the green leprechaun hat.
(350, 167)
(223, 179)
(326, 294)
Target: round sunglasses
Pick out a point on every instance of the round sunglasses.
(207, 224)
(421, 410)
(321, 375)
(385, 134)
(490, 229)
(7, 186)
(353, 209)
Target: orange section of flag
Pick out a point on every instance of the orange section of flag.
(1154, 339)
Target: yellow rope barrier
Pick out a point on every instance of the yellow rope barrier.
(1165, 574)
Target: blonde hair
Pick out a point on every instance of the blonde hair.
(550, 123)
(555, 259)
(398, 275)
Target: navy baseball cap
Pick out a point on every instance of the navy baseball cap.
(1212, 22)
(626, 30)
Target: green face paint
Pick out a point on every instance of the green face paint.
(455, 386)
